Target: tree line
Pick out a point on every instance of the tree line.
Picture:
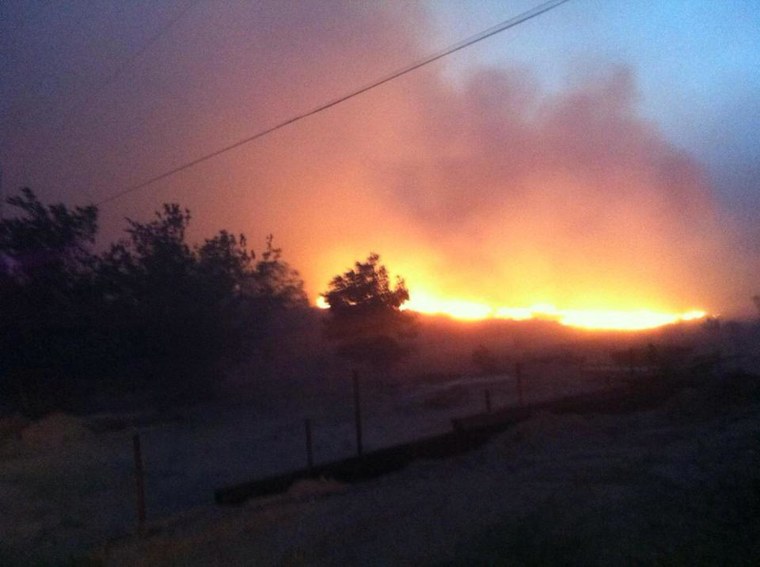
(150, 313)
(154, 315)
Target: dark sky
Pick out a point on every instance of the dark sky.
(603, 155)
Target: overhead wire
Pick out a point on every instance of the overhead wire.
(503, 26)
(160, 32)
(95, 91)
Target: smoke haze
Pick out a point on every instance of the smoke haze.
(491, 188)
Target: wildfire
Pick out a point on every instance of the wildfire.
(600, 319)
(594, 319)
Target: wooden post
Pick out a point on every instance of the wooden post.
(518, 379)
(139, 483)
(309, 450)
(488, 401)
(357, 413)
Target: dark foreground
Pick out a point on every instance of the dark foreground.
(672, 481)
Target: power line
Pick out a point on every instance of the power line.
(136, 55)
(95, 91)
(507, 24)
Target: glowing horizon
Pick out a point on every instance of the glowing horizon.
(597, 319)
(549, 172)
(591, 319)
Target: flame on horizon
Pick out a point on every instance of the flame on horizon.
(591, 319)
(490, 194)
(524, 205)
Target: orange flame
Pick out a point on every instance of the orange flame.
(592, 319)
(598, 319)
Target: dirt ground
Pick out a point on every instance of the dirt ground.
(675, 485)
(678, 483)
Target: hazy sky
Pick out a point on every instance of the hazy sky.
(602, 155)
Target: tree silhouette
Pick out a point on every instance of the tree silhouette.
(366, 320)
(47, 304)
(152, 314)
(159, 304)
(185, 309)
(276, 281)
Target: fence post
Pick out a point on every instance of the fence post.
(357, 413)
(139, 483)
(309, 450)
